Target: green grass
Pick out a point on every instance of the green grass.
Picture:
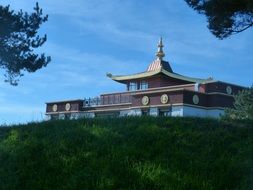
(128, 153)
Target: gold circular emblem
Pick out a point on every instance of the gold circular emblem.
(54, 107)
(164, 98)
(145, 100)
(229, 90)
(195, 99)
(67, 106)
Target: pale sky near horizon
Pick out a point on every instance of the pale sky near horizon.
(88, 38)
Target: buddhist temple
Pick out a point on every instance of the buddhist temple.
(158, 91)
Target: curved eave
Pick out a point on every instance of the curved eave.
(124, 78)
(185, 78)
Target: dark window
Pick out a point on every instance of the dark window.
(143, 85)
(145, 112)
(165, 112)
(133, 86)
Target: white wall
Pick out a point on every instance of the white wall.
(123, 113)
(153, 111)
(135, 112)
(177, 111)
(215, 113)
(200, 112)
(82, 115)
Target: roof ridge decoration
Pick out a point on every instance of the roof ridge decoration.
(159, 63)
(160, 54)
(156, 67)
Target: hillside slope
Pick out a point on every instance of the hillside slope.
(127, 153)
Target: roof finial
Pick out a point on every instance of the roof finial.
(160, 53)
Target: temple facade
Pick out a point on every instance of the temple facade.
(156, 91)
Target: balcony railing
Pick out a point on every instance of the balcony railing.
(108, 99)
(91, 102)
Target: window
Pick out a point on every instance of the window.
(133, 86)
(143, 85)
(67, 116)
(165, 111)
(145, 112)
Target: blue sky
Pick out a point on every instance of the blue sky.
(88, 38)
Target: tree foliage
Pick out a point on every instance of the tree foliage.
(225, 17)
(243, 105)
(18, 40)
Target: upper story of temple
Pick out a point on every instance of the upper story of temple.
(158, 74)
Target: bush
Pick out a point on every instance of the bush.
(243, 106)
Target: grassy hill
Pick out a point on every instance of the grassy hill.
(128, 153)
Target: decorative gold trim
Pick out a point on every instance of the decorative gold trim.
(229, 90)
(54, 108)
(160, 54)
(195, 99)
(145, 100)
(67, 106)
(164, 99)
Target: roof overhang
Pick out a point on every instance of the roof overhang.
(125, 78)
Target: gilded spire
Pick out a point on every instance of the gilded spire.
(160, 53)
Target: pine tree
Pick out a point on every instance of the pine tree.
(225, 17)
(18, 40)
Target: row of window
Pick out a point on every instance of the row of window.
(134, 86)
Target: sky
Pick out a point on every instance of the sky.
(89, 38)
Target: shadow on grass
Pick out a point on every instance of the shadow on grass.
(127, 153)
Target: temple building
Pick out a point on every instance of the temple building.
(156, 91)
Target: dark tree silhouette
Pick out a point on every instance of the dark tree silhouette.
(18, 40)
(225, 17)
